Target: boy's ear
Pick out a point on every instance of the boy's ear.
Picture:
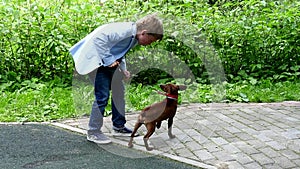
(182, 87)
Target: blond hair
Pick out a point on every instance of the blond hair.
(152, 24)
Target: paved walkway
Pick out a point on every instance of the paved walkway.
(254, 135)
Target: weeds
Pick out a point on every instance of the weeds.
(44, 103)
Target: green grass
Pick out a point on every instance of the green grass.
(266, 92)
(43, 102)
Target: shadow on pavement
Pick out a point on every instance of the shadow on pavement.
(44, 146)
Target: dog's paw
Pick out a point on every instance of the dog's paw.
(171, 136)
(130, 145)
(150, 148)
(222, 166)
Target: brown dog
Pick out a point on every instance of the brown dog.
(153, 115)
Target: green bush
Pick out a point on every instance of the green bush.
(253, 38)
(257, 39)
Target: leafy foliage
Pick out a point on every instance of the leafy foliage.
(258, 39)
(254, 39)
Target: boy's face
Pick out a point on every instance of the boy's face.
(145, 39)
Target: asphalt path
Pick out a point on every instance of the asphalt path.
(42, 146)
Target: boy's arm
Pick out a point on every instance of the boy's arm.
(103, 44)
(123, 64)
(108, 37)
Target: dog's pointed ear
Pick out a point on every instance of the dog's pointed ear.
(182, 87)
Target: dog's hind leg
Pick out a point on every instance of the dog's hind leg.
(136, 127)
(151, 129)
(170, 123)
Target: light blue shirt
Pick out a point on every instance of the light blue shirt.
(104, 46)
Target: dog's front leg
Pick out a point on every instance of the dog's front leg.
(170, 123)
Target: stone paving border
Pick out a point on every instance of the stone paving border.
(242, 135)
(137, 147)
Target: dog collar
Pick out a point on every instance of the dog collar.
(171, 96)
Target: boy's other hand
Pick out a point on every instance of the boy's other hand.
(126, 74)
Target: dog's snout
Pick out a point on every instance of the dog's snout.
(163, 87)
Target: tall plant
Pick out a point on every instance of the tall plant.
(253, 38)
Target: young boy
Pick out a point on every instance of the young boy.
(103, 51)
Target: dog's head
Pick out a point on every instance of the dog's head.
(172, 89)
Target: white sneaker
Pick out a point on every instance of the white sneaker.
(98, 138)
